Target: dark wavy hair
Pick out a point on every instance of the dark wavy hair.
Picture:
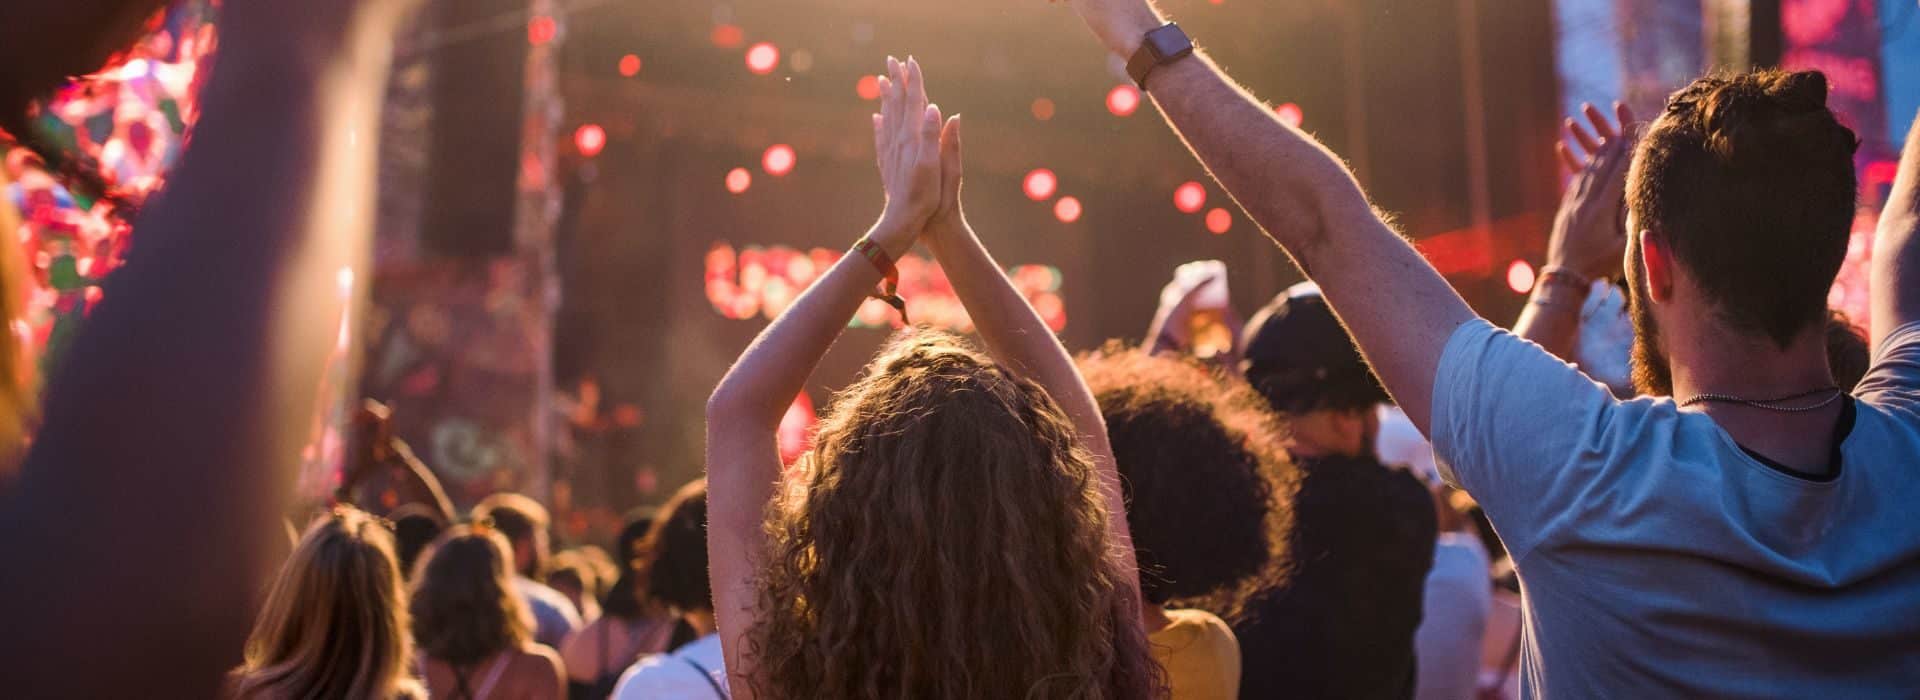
(677, 547)
(624, 599)
(946, 539)
(1207, 483)
(464, 605)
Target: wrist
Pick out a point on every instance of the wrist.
(894, 234)
(1558, 288)
(1131, 30)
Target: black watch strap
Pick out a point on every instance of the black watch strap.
(1161, 46)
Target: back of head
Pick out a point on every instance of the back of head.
(1206, 480)
(1298, 355)
(677, 550)
(949, 541)
(334, 624)
(524, 522)
(1749, 180)
(624, 597)
(414, 527)
(464, 605)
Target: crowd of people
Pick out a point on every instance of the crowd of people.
(1262, 518)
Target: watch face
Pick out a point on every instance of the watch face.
(1169, 41)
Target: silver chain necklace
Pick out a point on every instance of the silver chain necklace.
(1774, 403)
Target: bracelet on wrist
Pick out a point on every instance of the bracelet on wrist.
(1556, 275)
(889, 290)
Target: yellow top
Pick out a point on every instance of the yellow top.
(1200, 654)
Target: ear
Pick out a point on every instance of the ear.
(1657, 263)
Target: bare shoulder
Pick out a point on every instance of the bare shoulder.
(538, 672)
(539, 657)
(582, 647)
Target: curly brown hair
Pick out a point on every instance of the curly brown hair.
(947, 540)
(1208, 486)
(464, 607)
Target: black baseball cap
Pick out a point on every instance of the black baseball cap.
(1297, 355)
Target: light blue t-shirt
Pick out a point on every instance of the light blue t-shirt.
(1658, 559)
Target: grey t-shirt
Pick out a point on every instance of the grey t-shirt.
(1659, 559)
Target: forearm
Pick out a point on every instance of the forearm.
(1551, 319)
(1896, 260)
(757, 390)
(1288, 183)
(184, 400)
(1397, 308)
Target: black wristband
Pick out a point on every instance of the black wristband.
(1161, 46)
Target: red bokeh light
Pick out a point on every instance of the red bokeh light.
(1067, 210)
(1520, 277)
(1122, 100)
(728, 36)
(590, 139)
(868, 88)
(1042, 109)
(1040, 184)
(1219, 221)
(738, 180)
(762, 58)
(1189, 198)
(778, 160)
(1291, 115)
(630, 65)
(541, 29)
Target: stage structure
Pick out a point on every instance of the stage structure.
(459, 333)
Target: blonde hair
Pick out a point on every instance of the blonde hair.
(334, 624)
(950, 541)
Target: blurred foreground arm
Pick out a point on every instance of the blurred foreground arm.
(743, 414)
(1896, 257)
(142, 524)
(1397, 307)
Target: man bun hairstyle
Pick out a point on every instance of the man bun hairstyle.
(1749, 180)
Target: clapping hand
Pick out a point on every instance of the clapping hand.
(1589, 231)
(906, 134)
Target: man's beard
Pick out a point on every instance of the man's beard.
(1651, 375)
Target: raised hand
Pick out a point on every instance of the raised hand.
(948, 218)
(1589, 231)
(906, 136)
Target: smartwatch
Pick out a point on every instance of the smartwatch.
(1162, 46)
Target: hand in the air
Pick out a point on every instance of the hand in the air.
(1589, 231)
(948, 218)
(906, 136)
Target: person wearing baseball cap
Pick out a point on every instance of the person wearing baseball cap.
(1363, 537)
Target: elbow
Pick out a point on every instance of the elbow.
(723, 404)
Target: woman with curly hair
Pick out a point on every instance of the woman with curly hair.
(334, 624)
(475, 633)
(957, 529)
(1207, 485)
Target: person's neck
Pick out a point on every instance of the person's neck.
(701, 621)
(1716, 360)
(1154, 617)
